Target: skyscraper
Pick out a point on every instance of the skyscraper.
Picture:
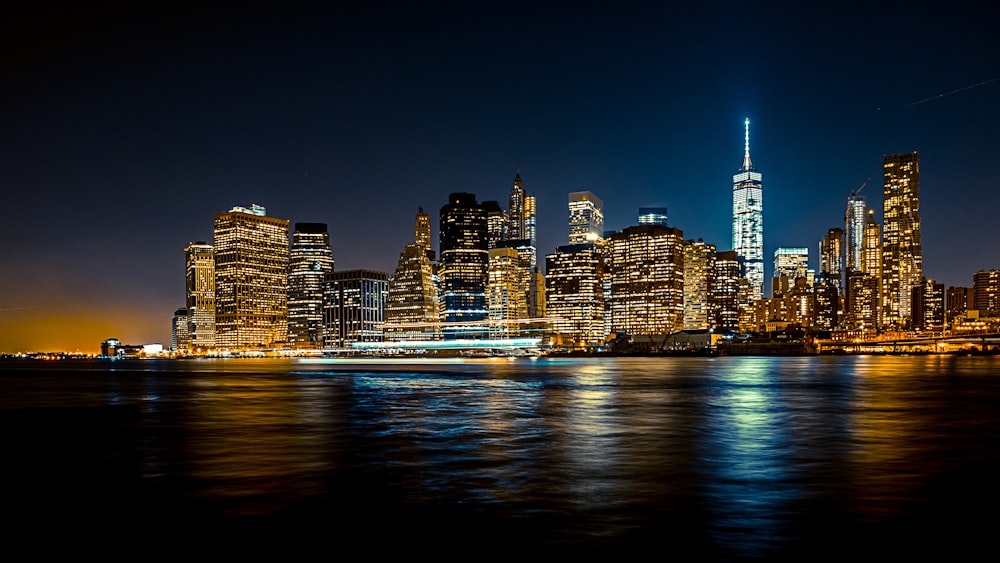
(310, 260)
(748, 219)
(200, 293)
(831, 257)
(464, 259)
(251, 279)
(574, 294)
(517, 211)
(646, 268)
(411, 306)
(725, 291)
(699, 274)
(586, 217)
(854, 226)
(789, 265)
(353, 307)
(902, 255)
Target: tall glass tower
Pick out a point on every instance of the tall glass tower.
(854, 230)
(748, 219)
(464, 259)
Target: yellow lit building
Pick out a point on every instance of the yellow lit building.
(574, 295)
(200, 281)
(311, 259)
(646, 269)
(251, 279)
(902, 255)
(699, 275)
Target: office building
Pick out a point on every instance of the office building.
(854, 226)
(411, 308)
(699, 276)
(309, 261)
(646, 270)
(507, 289)
(199, 258)
(251, 279)
(790, 263)
(180, 339)
(748, 219)
(986, 293)
(831, 257)
(574, 295)
(902, 255)
(725, 291)
(353, 307)
(586, 217)
(464, 258)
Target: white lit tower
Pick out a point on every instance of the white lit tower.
(748, 219)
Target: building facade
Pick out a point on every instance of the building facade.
(902, 254)
(646, 270)
(309, 262)
(574, 295)
(699, 276)
(353, 307)
(464, 258)
(251, 279)
(200, 292)
(586, 217)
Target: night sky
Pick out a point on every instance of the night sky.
(123, 131)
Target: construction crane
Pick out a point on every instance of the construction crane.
(863, 184)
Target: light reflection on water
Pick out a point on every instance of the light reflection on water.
(733, 458)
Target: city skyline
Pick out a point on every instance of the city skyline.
(123, 134)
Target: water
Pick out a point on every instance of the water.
(697, 459)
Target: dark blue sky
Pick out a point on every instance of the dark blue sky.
(123, 131)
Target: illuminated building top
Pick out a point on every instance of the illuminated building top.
(748, 221)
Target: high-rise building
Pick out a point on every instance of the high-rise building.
(464, 259)
(725, 291)
(646, 269)
(497, 224)
(586, 217)
(422, 232)
(507, 289)
(251, 279)
(986, 293)
(790, 263)
(699, 276)
(653, 216)
(517, 209)
(854, 226)
(309, 261)
(353, 307)
(957, 302)
(902, 255)
(831, 257)
(928, 306)
(574, 295)
(200, 293)
(180, 339)
(748, 219)
(531, 227)
(411, 308)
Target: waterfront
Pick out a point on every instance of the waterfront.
(725, 458)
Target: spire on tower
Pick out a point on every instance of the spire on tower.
(747, 165)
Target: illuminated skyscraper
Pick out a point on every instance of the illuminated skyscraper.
(251, 279)
(200, 278)
(902, 254)
(310, 260)
(789, 265)
(464, 259)
(725, 291)
(531, 228)
(586, 217)
(411, 307)
(986, 293)
(574, 295)
(748, 219)
(497, 224)
(180, 339)
(353, 307)
(831, 257)
(646, 269)
(507, 289)
(517, 210)
(927, 302)
(854, 226)
(699, 275)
